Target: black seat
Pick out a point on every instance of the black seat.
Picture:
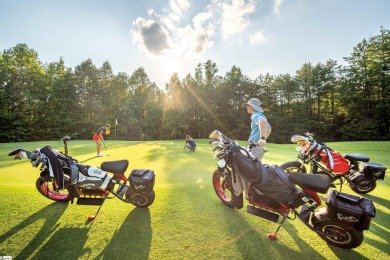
(115, 166)
(315, 182)
(357, 157)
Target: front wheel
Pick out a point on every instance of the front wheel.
(293, 166)
(364, 186)
(224, 190)
(141, 199)
(45, 187)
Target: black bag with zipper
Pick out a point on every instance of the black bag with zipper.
(276, 185)
(271, 180)
(245, 164)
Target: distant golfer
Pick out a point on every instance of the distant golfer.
(98, 138)
(190, 143)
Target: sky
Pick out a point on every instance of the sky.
(174, 36)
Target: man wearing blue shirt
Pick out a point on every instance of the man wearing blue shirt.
(260, 128)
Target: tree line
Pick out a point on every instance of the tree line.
(45, 101)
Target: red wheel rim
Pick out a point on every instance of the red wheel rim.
(221, 188)
(51, 193)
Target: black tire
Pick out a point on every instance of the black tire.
(224, 190)
(364, 186)
(141, 199)
(342, 235)
(45, 187)
(293, 166)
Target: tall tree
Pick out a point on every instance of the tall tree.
(23, 93)
(62, 106)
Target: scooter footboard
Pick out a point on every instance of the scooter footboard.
(262, 213)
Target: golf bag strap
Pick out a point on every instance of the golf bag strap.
(330, 158)
(56, 167)
(313, 148)
(235, 170)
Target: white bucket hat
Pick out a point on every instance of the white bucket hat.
(255, 103)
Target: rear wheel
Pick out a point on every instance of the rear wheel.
(293, 166)
(141, 199)
(340, 235)
(46, 188)
(364, 186)
(224, 190)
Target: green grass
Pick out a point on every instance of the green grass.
(186, 221)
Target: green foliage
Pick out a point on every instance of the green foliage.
(40, 102)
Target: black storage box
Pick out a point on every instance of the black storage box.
(142, 180)
(374, 170)
(352, 210)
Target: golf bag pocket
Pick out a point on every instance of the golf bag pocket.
(63, 160)
(352, 210)
(142, 180)
(245, 164)
(276, 185)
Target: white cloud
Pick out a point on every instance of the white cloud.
(234, 16)
(201, 18)
(178, 7)
(257, 38)
(277, 5)
(162, 35)
(192, 42)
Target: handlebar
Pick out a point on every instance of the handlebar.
(65, 139)
(68, 137)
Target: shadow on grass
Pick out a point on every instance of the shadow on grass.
(134, 236)
(380, 224)
(68, 243)
(382, 233)
(340, 252)
(378, 200)
(256, 243)
(50, 214)
(11, 162)
(83, 161)
(346, 253)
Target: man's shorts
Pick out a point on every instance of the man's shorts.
(258, 151)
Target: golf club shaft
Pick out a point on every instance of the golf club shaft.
(106, 148)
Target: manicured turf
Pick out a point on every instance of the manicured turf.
(186, 221)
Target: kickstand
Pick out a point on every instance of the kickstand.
(273, 236)
(92, 217)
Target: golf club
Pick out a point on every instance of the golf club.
(106, 149)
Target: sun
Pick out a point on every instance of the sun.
(170, 65)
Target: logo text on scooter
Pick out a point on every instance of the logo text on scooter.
(347, 219)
